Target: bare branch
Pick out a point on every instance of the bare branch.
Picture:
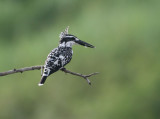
(20, 70)
(80, 75)
(41, 67)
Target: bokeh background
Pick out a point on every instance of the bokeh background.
(126, 34)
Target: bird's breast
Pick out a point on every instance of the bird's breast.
(66, 55)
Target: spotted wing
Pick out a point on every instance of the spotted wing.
(52, 63)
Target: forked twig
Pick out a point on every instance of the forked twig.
(80, 75)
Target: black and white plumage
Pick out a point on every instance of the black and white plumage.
(61, 55)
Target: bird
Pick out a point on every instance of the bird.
(61, 55)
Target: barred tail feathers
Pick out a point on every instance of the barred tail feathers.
(44, 76)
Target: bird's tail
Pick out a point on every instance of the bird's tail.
(43, 79)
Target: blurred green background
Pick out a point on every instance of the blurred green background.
(126, 34)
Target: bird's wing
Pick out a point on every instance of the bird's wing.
(52, 63)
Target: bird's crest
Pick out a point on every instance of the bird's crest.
(63, 34)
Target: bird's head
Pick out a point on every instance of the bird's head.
(67, 40)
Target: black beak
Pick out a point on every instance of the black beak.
(84, 43)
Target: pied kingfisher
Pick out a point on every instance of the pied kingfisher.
(61, 55)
